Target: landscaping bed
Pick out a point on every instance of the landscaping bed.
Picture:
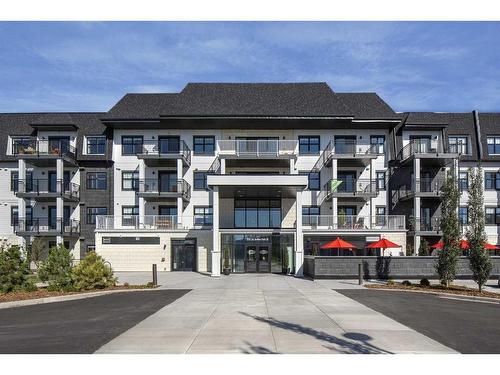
(44, 293)
(439, 289)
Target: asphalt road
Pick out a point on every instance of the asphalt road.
(466, 326)
(79, 326)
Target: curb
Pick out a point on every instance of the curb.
(72, 297)
(437, 293)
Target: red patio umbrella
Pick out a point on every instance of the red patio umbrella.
(383, 244)
(338, 243)
(464, 245)
(438, 245)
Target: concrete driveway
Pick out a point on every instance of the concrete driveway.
(265, 313)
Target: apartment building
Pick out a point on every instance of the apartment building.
(261, 172)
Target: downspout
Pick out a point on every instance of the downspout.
(477, 127)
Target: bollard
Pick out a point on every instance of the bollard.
(360, 274)
(155, 275)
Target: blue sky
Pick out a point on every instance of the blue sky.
(88, 66)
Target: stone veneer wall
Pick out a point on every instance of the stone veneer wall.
(324, 267)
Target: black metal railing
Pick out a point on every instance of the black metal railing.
(165, 147)
(432, 224)
(156, 186)
(45, 186)
(40, 148)
(359, 186)
(428, 185)
(46, 225)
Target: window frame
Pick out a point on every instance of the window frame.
(308, 210)
(88, 180)
(462, 180)
(88, 216)
(496, 215)
(309, 181)
(87, 144)
(126, 217)
(207, 216)
(133, 188)
(133, 144)
(495, 181)
(383, 179)
(204, 144)
(205, 186)
(308, 144)
(461, 211)
(495, 142)
(243, 204)
(372, 137)
(458, 145)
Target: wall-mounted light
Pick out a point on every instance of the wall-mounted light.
(360, 137)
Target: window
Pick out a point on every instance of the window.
(463, 181)
(14, 215)
(200, 180)
(380, 180)
(380, 218)
(463, 215)
(53, 244)
(203, 145)
(257, 213)
(131, 145)
(90, 248)
(96, 145)
(378, 144)
(458, 144)
(492, 215)
(14, 180)
(203, 215)
(313, 181)
(492, 180)
(310, 211)
(92, 212)
(96, 181)
(129, 215)
(130, 180)
(493, 145)
(380, 211)
(309, 145)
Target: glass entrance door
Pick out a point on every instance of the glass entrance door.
(251, 259)
(263, 259)
(184, 255)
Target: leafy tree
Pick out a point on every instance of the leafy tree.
(57, 269)
(447, 262)
(93, 273)
(35, 251)
(480, 263)
(424, 248)
(14, 271)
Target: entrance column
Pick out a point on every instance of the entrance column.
(59, 201)
(299, 237)
(215, 232)
(334, 199)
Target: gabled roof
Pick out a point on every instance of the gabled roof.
(368, 105)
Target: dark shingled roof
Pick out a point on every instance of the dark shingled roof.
(54, 119)
(314, 99)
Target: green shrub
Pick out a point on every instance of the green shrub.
(57, 270)
(93, 273)
(425, 283)
(390, 281)
(406, 282)
(14, 271)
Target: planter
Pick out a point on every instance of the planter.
(226, 271)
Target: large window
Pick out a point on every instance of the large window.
(493, 145)
(310, 211)
(492, 215)
(96, 145)
(92, 212)
(463, 215)
(96, 181)
(14, 180)
(378, 144)
(463, 181)
(380, 179)
(129, 215)
(204, 145)
(203, 215)
(458, 144)
(313, 181)
(130, 180)
(132, 145)
(14, 215)
(492, 180)
(257, 213)
(309, 145)
(200, 180)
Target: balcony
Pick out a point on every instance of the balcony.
(350, 153)
(155, 189)
(135, 222)
(258, 149)
(46, 190)
(423, 227)
(46, 227)
(353, 223)
(360, 189)
(43, 153)
(163, 152)
(432, 152)
(422, 187)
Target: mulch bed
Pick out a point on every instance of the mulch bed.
(44, 293)
(452, 289)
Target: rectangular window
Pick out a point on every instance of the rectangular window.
(458, 144)
(130, 180)
(90, 248)
(463, 181)
(492, 180)
(253, 213)
(377, 143)
(14, 180)
(96, 181)
(132, 145)
(493, 145)
(308, 145)
(203, 215)
(492, 215)
(463, 215)
(204, 145)
(200, 180)
(129, 215)
(96, 145)
(14, 215)
(380, 211)
(313, 181)
(380, 180)
(92, 212)
(380, 218)
(310, 211)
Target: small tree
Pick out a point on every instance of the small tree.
(447, 262)
(93, 273)
(480, 263)
(14, 271)
(423, 250)
(57, 269)
(35, 251)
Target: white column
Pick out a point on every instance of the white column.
(216, 259)
(292, 167)
(142, 201)
(21, 203)
(222, 166)
(416, 177)
(59, 200)
(180, 203)
(334, 199)
(299, 236)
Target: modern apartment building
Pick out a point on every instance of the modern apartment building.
(260, 172)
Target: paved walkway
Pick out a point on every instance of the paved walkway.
(263, 313)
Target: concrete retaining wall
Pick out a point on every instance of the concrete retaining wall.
(324, 267)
